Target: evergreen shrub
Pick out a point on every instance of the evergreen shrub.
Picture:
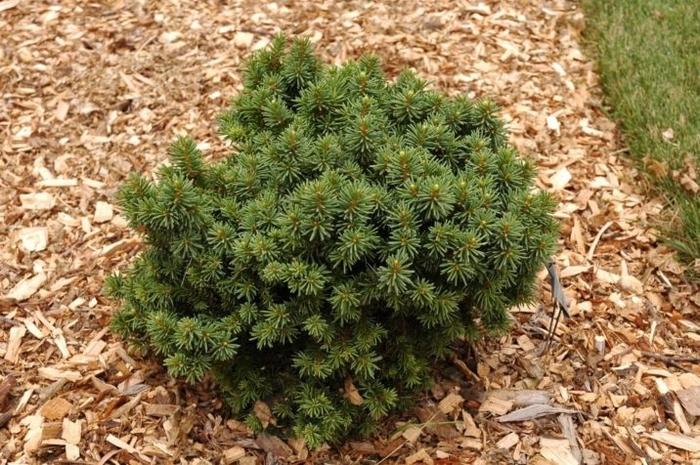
(358, 228)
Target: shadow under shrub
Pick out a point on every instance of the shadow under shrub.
(358, 228)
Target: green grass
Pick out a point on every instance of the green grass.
(648, 53)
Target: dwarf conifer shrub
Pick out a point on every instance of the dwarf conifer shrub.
(356, 230)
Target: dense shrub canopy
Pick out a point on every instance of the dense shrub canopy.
(358, 228)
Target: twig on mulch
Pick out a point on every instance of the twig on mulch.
(464, 368)
(636, 448)
(673, 360)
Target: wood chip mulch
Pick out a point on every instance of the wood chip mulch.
(91, 91)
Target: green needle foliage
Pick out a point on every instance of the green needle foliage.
(358, 228)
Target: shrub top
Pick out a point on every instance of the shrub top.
(358, 228)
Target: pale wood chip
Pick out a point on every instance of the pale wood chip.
(420, 456)
(351, 393)
(60, 341)
(264, 414)
(645, 415)
(56, 373)
(23, 401)
(495, 405)
(101, 386)
(72, 431)
(111, 249)
(233, 454)
(631, 284)
(8, 4)
(34, 435)
(300, 450)
(471, 443)
(242, 39)
(14, 344)
(103, 212)
(94, 348)
(481, 9)
(526, 343)
(33, 329)
(57, 182)
(68, 220)
(27, 287)
(574, 270)
(522, 397)
(37, 201)
(72, 452)
(450, 402)
(412, 433)
(115, 441)
(679, 416)
(560, 179)
(508, 441)
(557, 451)
(469, 426)
(679, 441)
(34, 239)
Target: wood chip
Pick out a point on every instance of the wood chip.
(14, 344)
(233, 454)
(533, 411)
(273, 445)
(690, 398)
(688, 380)
(78, 124)
(412, 434)
(56, 409)
(631, 284)
(55, 373)
(37, 201)
(34, 239)
(351, 393)
(450, 402)
(520, 398)
(103, 212)
(161, 410)
(469, 426)
(72, 431)
(243, 39)
(264, 414)
(508, 441)
(421, 456)
(496, 406)
(557, 451)
(679, 441)
(560, 179)
(8, 4)
(57, 183)
(27, 287)
(115, 441)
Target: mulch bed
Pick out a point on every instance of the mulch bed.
(92, 91)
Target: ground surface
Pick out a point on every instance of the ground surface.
(91, 91)
(645, 51)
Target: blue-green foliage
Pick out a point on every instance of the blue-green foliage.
(358, 228)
